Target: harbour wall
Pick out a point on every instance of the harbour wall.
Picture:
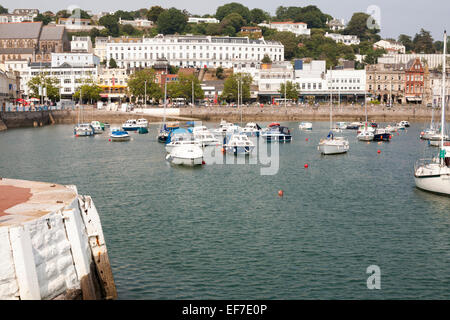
(60, 254)
(2, 125)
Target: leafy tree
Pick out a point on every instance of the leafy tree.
(79, 13)
(89, 91)
(213, 29)
(154, 13)
(230, 89)
(3, 10)
(289, 40)
(358, 26)
(292, 90)
(51, 83)
(406, 41)
(62, 14)
(183, 88)
(124, 15)
(373, 55)
(111, 23)
(129, 30)
(266, 59)
(45, 19)
(423, 42)
(258, 15)
(233, 7)
(172, 21)
(137, 81)
(311, 15)
(233, 20)
(112, 63)
(220, 73)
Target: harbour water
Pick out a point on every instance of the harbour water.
(222, 231)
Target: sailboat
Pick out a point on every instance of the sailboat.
(433, 175)
(332, 144)
(366, 134)
(431, 131)
(82, 129)
(164, 132)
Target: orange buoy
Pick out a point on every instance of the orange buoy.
(280, 193)
(223, 150)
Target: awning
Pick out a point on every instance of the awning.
(414, 98)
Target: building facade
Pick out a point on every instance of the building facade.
(386, 82)
(76, 59)
(433, 61)
(415, 81)
(298, 28)
(191, 51)
(345, 39)
(202, 20)
(390, 46)
(336, 24)
(81, 44)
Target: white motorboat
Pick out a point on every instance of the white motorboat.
(223, 127)
(404, 124)
(341, 125)
(130, 125)
(365, 135)
(97, 127)
(83, 129)
(305, 126)
(434, 175)
(435, 140)
(198, 129)
(390, 128)
(251, 130)
(142, 123)
(186, 154)
(171, 145)
(206, 138)
(119, 135)
(427, 134)
(239, 144)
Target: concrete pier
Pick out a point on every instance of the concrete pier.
(51, 244)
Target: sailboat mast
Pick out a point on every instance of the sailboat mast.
(331, 98)
(444, 70)
(165, 100)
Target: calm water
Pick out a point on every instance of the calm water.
(221, 231)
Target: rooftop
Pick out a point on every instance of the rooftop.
(20, 30)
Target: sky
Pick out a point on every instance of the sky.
(396, 16)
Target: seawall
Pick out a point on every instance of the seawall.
(2, 125)
(51, 244)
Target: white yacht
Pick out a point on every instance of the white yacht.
(83, 129)
(142, 123)
(188, 155)
(239, 144)
(97, 127)
(341, 125)
(173, 144)
(252, 130)
(305, 126)
(130, 125)
(434, 175)
(435, 140)
(365, 135)
(404, 124)
(206, 138)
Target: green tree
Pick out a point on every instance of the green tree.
(183, 88)
(233, 20)
(289, 40)
(154, 13)
(230, 89)
(89, 91)
(62, 14)
(81, 14)
(358, 26)
(233, 7)
(373, 55)
(124, 15)
(112, 63)
(172, 21)
(258, 15)
(213, 29)
(111, 23)
(45, 19)
(3, 10)
(423, 42)
(220, 73)
(406, 41)
(292, 90)
(266, 59)
(137, 84)
(50, 83)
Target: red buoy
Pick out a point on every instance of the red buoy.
(306, 166)
(203, 162)
(280, 193)
(109, 140)
(379, 151)
(306, 139)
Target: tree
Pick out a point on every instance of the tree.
(112, 63)
(406, 41)
(124, 15)
(219, 73)
(233, 20)
(89, 91)
(172, 21)
(51, 84)
(373, 55)
(3, 10)
(79, 13)
(292, 90)
(45, 19)
(183, 88)
(230, 89)
(258, 15)
(137, 84)
(154, 13)
(423, 42)
(111, 23)
(266, 59)
(233, 7)
(289, 40)
(358, 26)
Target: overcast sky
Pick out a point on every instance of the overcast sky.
(397, 16)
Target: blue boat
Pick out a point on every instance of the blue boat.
(277, 133)
(130, 125)
(118, 135)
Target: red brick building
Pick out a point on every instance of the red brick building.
(415, 81)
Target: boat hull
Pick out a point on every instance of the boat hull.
(282, 139)
(239, 150)
(130, 128)
(437, 184)
(83, 133)
(386, 137)
(326, 149)
(190, 162)
(119, 139)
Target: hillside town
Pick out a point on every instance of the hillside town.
(116, 57)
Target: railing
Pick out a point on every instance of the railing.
(36, 108)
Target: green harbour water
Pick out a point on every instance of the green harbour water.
(222, 231)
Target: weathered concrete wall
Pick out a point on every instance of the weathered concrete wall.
(294, 113)
(52, 256)
(2, 125)
(26, 119)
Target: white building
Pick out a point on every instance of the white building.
(433, 61)
(100, 47)
(81, 44)
(345, 39)
(114, 82)
(299, 28)
(70, 78)
(202, 20)
(9, 18)
(137, 23)
(191, 51)
(390, 46)
(347, 81)
(78, 59)
(336, 24)
(311, 76)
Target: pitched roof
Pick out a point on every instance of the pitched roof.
(16, 50)
(52, 33)
(20, 30)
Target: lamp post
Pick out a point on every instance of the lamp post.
(145, 93)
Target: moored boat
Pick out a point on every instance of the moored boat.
(186, 154)
(130, 125)
(305, 126)
(83, 130)
(239, 144)
(382, 135)
(277, 133)
(119, 135)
